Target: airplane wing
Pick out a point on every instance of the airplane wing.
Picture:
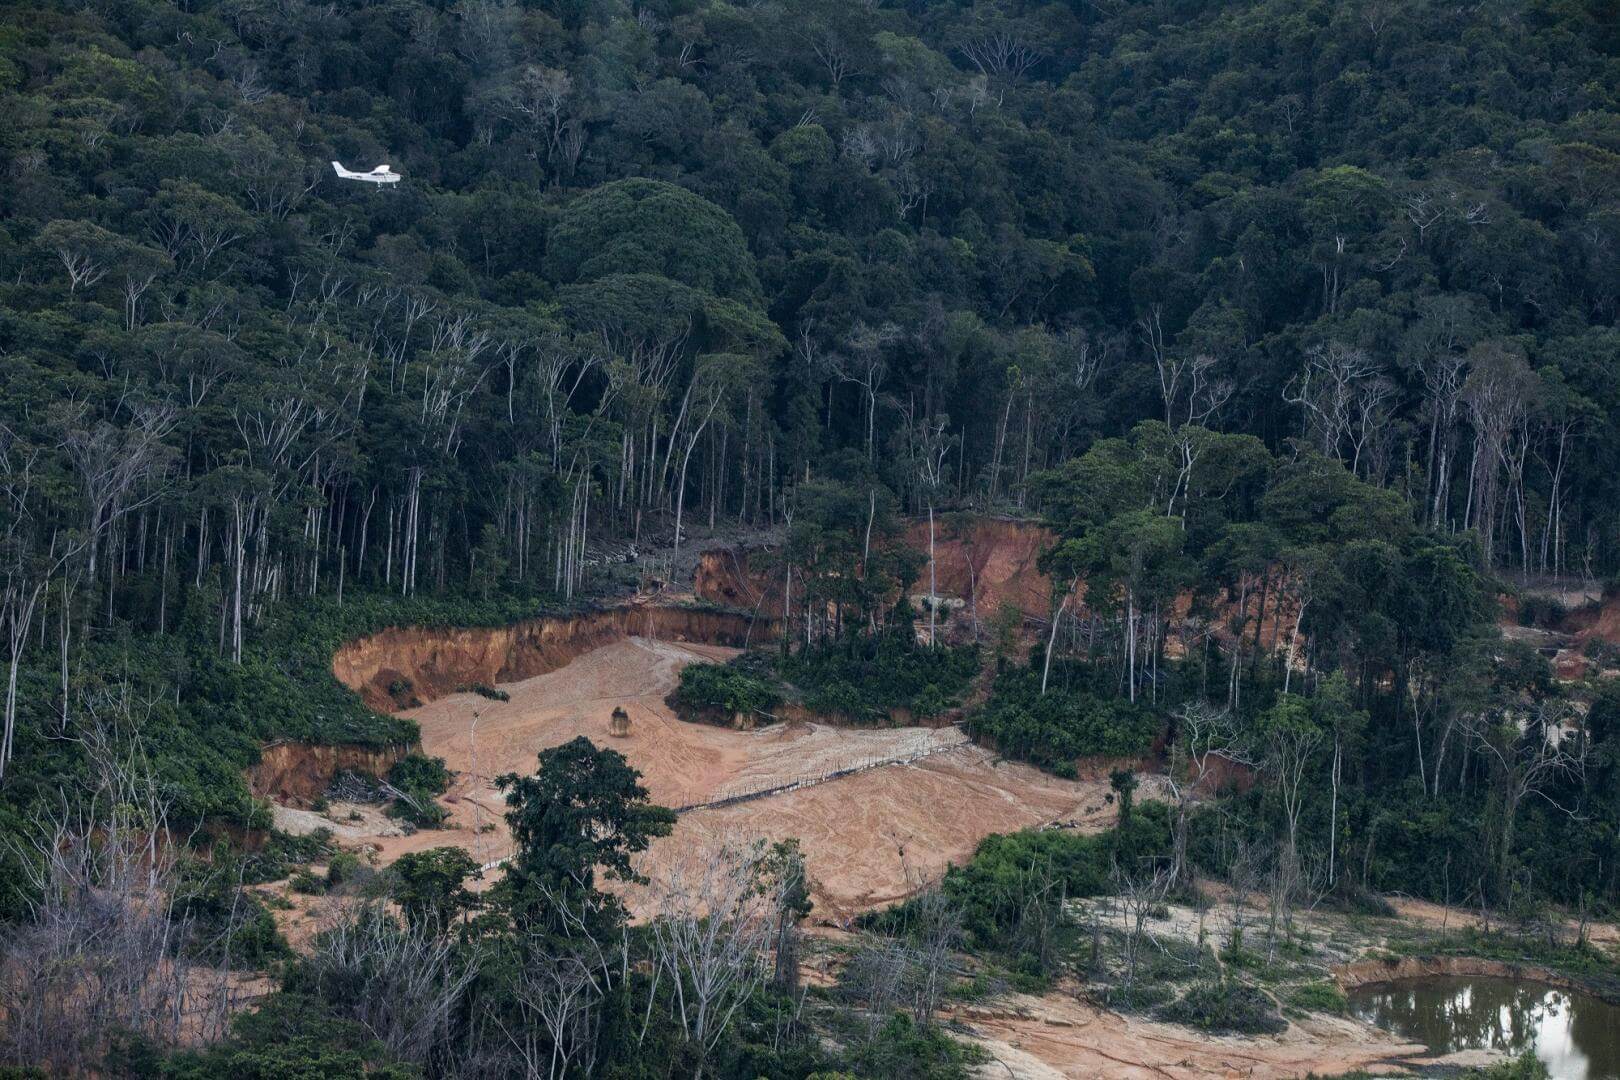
(382, 174)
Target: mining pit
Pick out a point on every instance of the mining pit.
(919, 797)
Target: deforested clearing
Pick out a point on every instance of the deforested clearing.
(870, 838)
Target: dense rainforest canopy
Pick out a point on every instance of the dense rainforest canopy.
(681, 256)
(1237, 297)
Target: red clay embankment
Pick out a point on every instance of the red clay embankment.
(987, 563)
(295, 773)
(984, 561)
(407, 666)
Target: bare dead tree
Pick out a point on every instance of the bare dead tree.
(108, 946)
(1341, 392)
(1424, 209)
(712, 930)
(1169, 365)
(1496, 396)
(714, 379)
(865, 363)
(273, 183)
(1244, 872)
(1138, 895)
(876, 975)
(402, 983)
(85, 250)
(557, 995)
(542, 99)
(1288, 753)
(937, 930)
(1206, 738)
(29, 559)
(835, 56)
(1528, 753)
(1003, 51)
(910, 969)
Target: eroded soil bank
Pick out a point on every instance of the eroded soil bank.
(983, 569)
(404, 667)
(984, 562)
(296, 773)
(869, 839)
(1061, 1036)
(1395, 969)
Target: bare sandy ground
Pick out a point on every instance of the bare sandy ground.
(1440, 917)
(875, 838)
(1060, 1037)
(868, 839)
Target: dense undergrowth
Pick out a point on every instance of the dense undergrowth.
(865, 676)
(858, 679)
(1067, 722)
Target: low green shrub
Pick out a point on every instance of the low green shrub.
(417, 772)
(1321, 997)
(1223, 1007)
(904, 1050)
(419, 780)
(997, 888)
(1524, 1067)
(290, 1035)
(283, 851)
(484, 690)
(342, 869)
(307, 883)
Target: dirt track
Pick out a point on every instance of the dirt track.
(869, 839)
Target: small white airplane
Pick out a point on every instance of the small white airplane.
(382, 174)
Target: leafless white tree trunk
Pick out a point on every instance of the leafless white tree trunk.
(716, 916)
(403, 983)
(107, 947)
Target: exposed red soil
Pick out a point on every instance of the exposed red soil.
(1590, 617)
(1061, 1037)
(868, 838)
(296, 773)
(737, 578)
(984, 564)
(1600, 622)
(987, 562)
(1392, 969)
(433, 662)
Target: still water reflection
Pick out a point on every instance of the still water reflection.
(1575, 1034)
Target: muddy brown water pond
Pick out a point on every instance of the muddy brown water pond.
(1576, 1035)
